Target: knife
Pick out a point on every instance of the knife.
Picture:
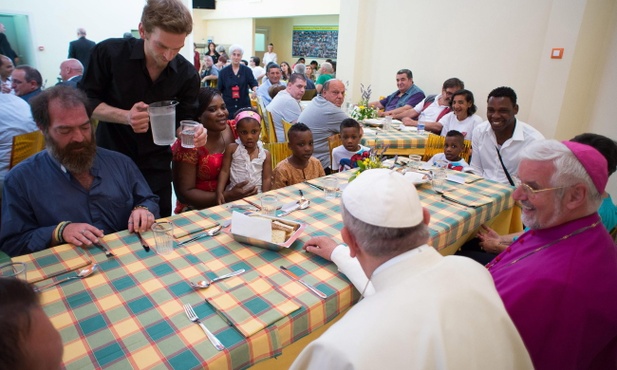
(143, 242)
(56, 274)
(102, 247)
(253, 204)
(295, 277)
(314, 186)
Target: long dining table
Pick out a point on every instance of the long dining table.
(398, 142)
(129, 313)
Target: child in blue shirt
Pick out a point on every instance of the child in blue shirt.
(347, 155)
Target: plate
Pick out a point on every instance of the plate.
(416, 178)
(407, 128)
(373, 122)
(298, 228)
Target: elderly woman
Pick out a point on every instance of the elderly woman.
(196, 170)
(235, 81)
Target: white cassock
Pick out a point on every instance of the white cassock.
(427, 312)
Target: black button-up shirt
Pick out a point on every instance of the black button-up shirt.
(117, 75)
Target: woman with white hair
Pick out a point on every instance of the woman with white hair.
(234, 82)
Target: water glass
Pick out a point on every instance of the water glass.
(269, 203)
(415, 161)
(163, 121)
(439, 181)
(387, 123)
(163, 235)
(187, 134)
(330, 187)
(14, 270)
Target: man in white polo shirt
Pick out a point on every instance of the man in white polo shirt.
(433, 107)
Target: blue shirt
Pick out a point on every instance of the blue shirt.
(262, 91)
(411, 97)
(31, 95)
(39, 193)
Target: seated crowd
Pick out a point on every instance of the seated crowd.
(546, 298)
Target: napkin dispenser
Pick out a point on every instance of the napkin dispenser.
(255, 230)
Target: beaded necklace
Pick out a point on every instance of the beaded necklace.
(492, 264)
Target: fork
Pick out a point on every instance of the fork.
(190, 313)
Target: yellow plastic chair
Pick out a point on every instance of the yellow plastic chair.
(435, 143)
(333, 142)
(270, 124)
(286, 127)
(26, 145)
(309, 94)
(278, 152)
(265, 134)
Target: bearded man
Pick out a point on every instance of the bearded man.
(73, 192)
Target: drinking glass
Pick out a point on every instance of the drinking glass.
(269, 204)
(330, 188)
(415, 161)
(187, 134)
(163, 235)
(439, 181)
(387, 123)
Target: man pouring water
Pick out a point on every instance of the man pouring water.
(136, 85)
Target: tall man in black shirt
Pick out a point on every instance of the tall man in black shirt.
(125, 75)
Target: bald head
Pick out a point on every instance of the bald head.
(334, 92)
(71, 68)
(81, 32)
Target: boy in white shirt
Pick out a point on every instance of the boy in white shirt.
(452, 153)
(347, 155)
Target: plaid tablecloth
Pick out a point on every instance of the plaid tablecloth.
(129, 313)
(395, 139)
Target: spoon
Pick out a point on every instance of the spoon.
(205, 283)
(212, 232)
(85, 272)
(302, 204)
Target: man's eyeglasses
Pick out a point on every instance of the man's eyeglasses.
(531, 192)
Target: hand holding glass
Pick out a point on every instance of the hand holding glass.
(187, 133)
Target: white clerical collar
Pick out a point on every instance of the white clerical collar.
(401, 257)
